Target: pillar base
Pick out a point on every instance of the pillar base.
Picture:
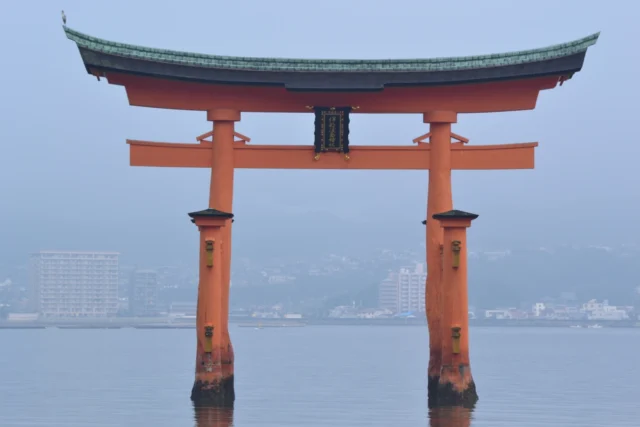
(432, 391)
(450, 395)
(220, 392)
(456, 387)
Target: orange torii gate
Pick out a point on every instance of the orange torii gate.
(438, 89)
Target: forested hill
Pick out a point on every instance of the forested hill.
(589, 272)
(498, 276)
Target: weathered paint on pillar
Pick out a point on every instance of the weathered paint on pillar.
(456, 386)
(214, 367)
(221, 198)
(439, 200)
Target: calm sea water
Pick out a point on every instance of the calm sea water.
(317, 376)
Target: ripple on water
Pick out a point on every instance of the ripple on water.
(317, 376)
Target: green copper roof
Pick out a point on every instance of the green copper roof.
(329, 65)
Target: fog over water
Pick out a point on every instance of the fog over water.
(64, 133)
(66, 184)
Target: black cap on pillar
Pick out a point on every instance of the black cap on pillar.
(455, 214)
(210, 213)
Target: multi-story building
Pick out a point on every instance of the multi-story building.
(603, 311)
(125, 274)
(74, 284)
(143, 297)
(404, 291)
(388, 293)
(411, 289)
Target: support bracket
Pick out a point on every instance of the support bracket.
(424, 139)
(241, 139)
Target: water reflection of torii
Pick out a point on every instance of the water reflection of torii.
(455, 416)
(209, 416)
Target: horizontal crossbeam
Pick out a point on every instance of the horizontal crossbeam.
(465, 157)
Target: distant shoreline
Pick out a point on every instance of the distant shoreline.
(165, 323)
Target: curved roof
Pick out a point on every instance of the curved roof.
(329, 74)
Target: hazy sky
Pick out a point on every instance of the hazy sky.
(65, 182)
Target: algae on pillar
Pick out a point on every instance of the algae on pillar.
(455, 385)
(214, 382)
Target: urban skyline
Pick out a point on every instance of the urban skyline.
(400, 289)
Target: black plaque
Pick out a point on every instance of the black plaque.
(332, 129)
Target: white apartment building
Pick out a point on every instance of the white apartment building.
(538, 309)
(74, 284)
(404, 291)
(411, 289)
(603, 311)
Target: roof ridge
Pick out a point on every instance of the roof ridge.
(354, 65)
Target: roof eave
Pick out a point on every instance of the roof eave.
(284, 65)
(328, 81)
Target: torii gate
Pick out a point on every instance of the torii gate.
(224, 87)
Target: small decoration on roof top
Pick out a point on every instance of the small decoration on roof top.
(64, 18)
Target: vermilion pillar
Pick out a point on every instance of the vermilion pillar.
(439, 200)
(455, 386)
(221, 198)
(214, 357)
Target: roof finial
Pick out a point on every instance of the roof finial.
(64, 18)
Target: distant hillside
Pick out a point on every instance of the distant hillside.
(501, 278)
(589, 272)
